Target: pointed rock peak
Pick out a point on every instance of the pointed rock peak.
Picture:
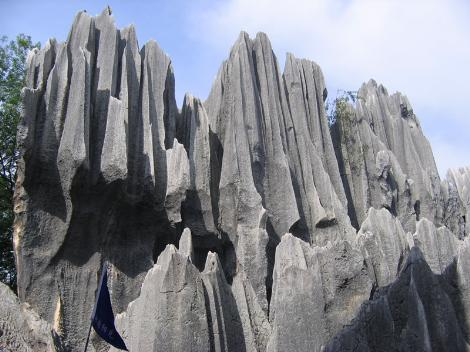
(263, 46)
(165, 257)
(152, 47)
(192, 104)
(290, 60)
(186, 244)
(189, 101)
(129, 28)
(367, 88)
(152, 43)
(212, 263)
(424, 225)
(288, 237)
(80, 17)
(106, 11)
(415, 256)
(31, 54)
(188, 98)
(177, 145)
(50, 43)
(263, 218)
(372, 88)
(372, 83)
(129, 34)
(243, 37)
(383, 90)
(375, 213)
(381, 219)
(263, 38)
(294, 64)
(291, 66)
(290, 253)
(105, 20)
(243, 40)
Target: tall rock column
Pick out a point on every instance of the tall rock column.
(92, 175)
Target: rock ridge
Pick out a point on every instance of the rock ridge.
(242, 222)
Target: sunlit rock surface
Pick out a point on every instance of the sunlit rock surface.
(294, 232)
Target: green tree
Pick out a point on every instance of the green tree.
(12, 78)
(337, 108)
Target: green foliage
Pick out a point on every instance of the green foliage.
(338, 108)
(12, 75)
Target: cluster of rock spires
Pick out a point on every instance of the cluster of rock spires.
(240, 223)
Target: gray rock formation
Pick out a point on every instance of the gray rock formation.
(439, 246)
(414, 313)
(325, 285)
(21, 329)
(455, 198)
(384, 158)
(383, 244)
(320, 195)
(176, 320)
(292, 235)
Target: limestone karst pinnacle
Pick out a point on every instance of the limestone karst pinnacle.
(240, 223)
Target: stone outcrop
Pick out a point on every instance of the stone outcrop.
(21, 329)
(439, 246)
(384, 158)
(455, 198)
(383, 244)
(245, 222)
(325, 285)
(414, 313)
(176, 320)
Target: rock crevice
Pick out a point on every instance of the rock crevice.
(292, 234)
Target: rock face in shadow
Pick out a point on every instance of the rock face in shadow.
(414, 313)
(288, 227)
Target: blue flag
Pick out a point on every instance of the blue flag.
(102, 318)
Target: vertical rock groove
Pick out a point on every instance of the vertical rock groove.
(244, 222)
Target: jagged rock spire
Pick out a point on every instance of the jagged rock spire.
(111, 170)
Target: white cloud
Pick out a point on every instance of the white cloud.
(419, 47)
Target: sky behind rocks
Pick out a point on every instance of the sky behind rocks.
(420, 47)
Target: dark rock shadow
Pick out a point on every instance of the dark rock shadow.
(418, 311)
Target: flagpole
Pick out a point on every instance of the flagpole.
(88, 338)
(103, 268)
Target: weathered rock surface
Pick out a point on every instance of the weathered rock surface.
(325, 285)
(319, 192)
(414, 313)
(383, 244)
(21, 329)
(288, 229)
(439, 246)
(176, 320)
(455, 197)
(392, 120)
(224, 319)
(366, 141)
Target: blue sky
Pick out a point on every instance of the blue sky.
(418, 47)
